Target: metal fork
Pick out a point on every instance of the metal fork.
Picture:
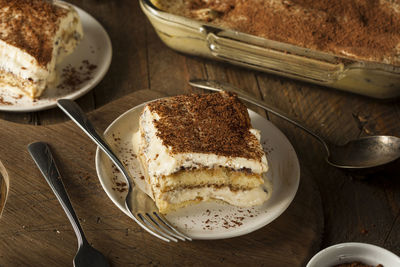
(86, 254)
(141, 207)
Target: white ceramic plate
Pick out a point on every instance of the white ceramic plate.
(93, 50)
(350, 252)
(208, 220)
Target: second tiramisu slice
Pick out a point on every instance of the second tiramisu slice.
(34, 36)
(196, 148)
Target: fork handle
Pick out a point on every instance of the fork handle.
(76, 114)
(43, 158)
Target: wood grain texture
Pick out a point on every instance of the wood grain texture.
(354, 209)
(33, 220)
(358, 206)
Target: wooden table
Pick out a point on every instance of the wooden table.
(357, 206)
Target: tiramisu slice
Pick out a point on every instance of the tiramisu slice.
(34, 36)
(196, 148)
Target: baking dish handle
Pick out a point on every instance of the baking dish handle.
(228, 48)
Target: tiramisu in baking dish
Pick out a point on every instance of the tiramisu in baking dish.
(196, 148)
(361, 29)
(34, 36)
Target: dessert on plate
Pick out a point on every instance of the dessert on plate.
(34, 36)
(201, 147)
(360, 29)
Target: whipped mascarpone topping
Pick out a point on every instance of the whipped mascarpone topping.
(20, 63)
(162, 161)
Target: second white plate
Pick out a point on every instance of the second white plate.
(210, 220)
(78, 73)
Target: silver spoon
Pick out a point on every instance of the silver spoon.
(366, 152)
(86, 255)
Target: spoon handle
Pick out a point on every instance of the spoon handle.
(76, 114)
(43, 158)
(218, 86)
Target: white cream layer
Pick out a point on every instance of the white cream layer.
(239, 198)
(161, 160)
(18, 62)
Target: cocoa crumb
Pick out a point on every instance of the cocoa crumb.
(237, 223)
(73, 77)
(119, 189)
(4, 102)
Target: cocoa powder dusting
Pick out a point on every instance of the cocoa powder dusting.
(366, 29)
(4, 102)
(206, 123)
(73, 77)
(30, 25)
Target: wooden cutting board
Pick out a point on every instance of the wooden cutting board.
(35, 231)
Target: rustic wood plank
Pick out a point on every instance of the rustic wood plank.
(196, 69)
(125, 24)
(239, 77)
(392, 240)
(24, 117)
(355, 210)
(34, 222)
(55, 115)
(166, 67)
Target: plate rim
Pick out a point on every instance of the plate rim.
(212, 236)
(78, 93)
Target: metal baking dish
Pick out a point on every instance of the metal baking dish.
(193, 37)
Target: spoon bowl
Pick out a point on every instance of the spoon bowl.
(362, 153)
(365, 152)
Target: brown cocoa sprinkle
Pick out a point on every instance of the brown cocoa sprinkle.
(215, 123)
(72, 77)
(4, 102)
(30, 26)
(120, 184)
(119, 189)
(237, 223)
(114, 168)
(367, 29)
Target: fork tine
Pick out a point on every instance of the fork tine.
(165, 221)
(155, 228)
(138, 221)
(155, 221)
(72, 109)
